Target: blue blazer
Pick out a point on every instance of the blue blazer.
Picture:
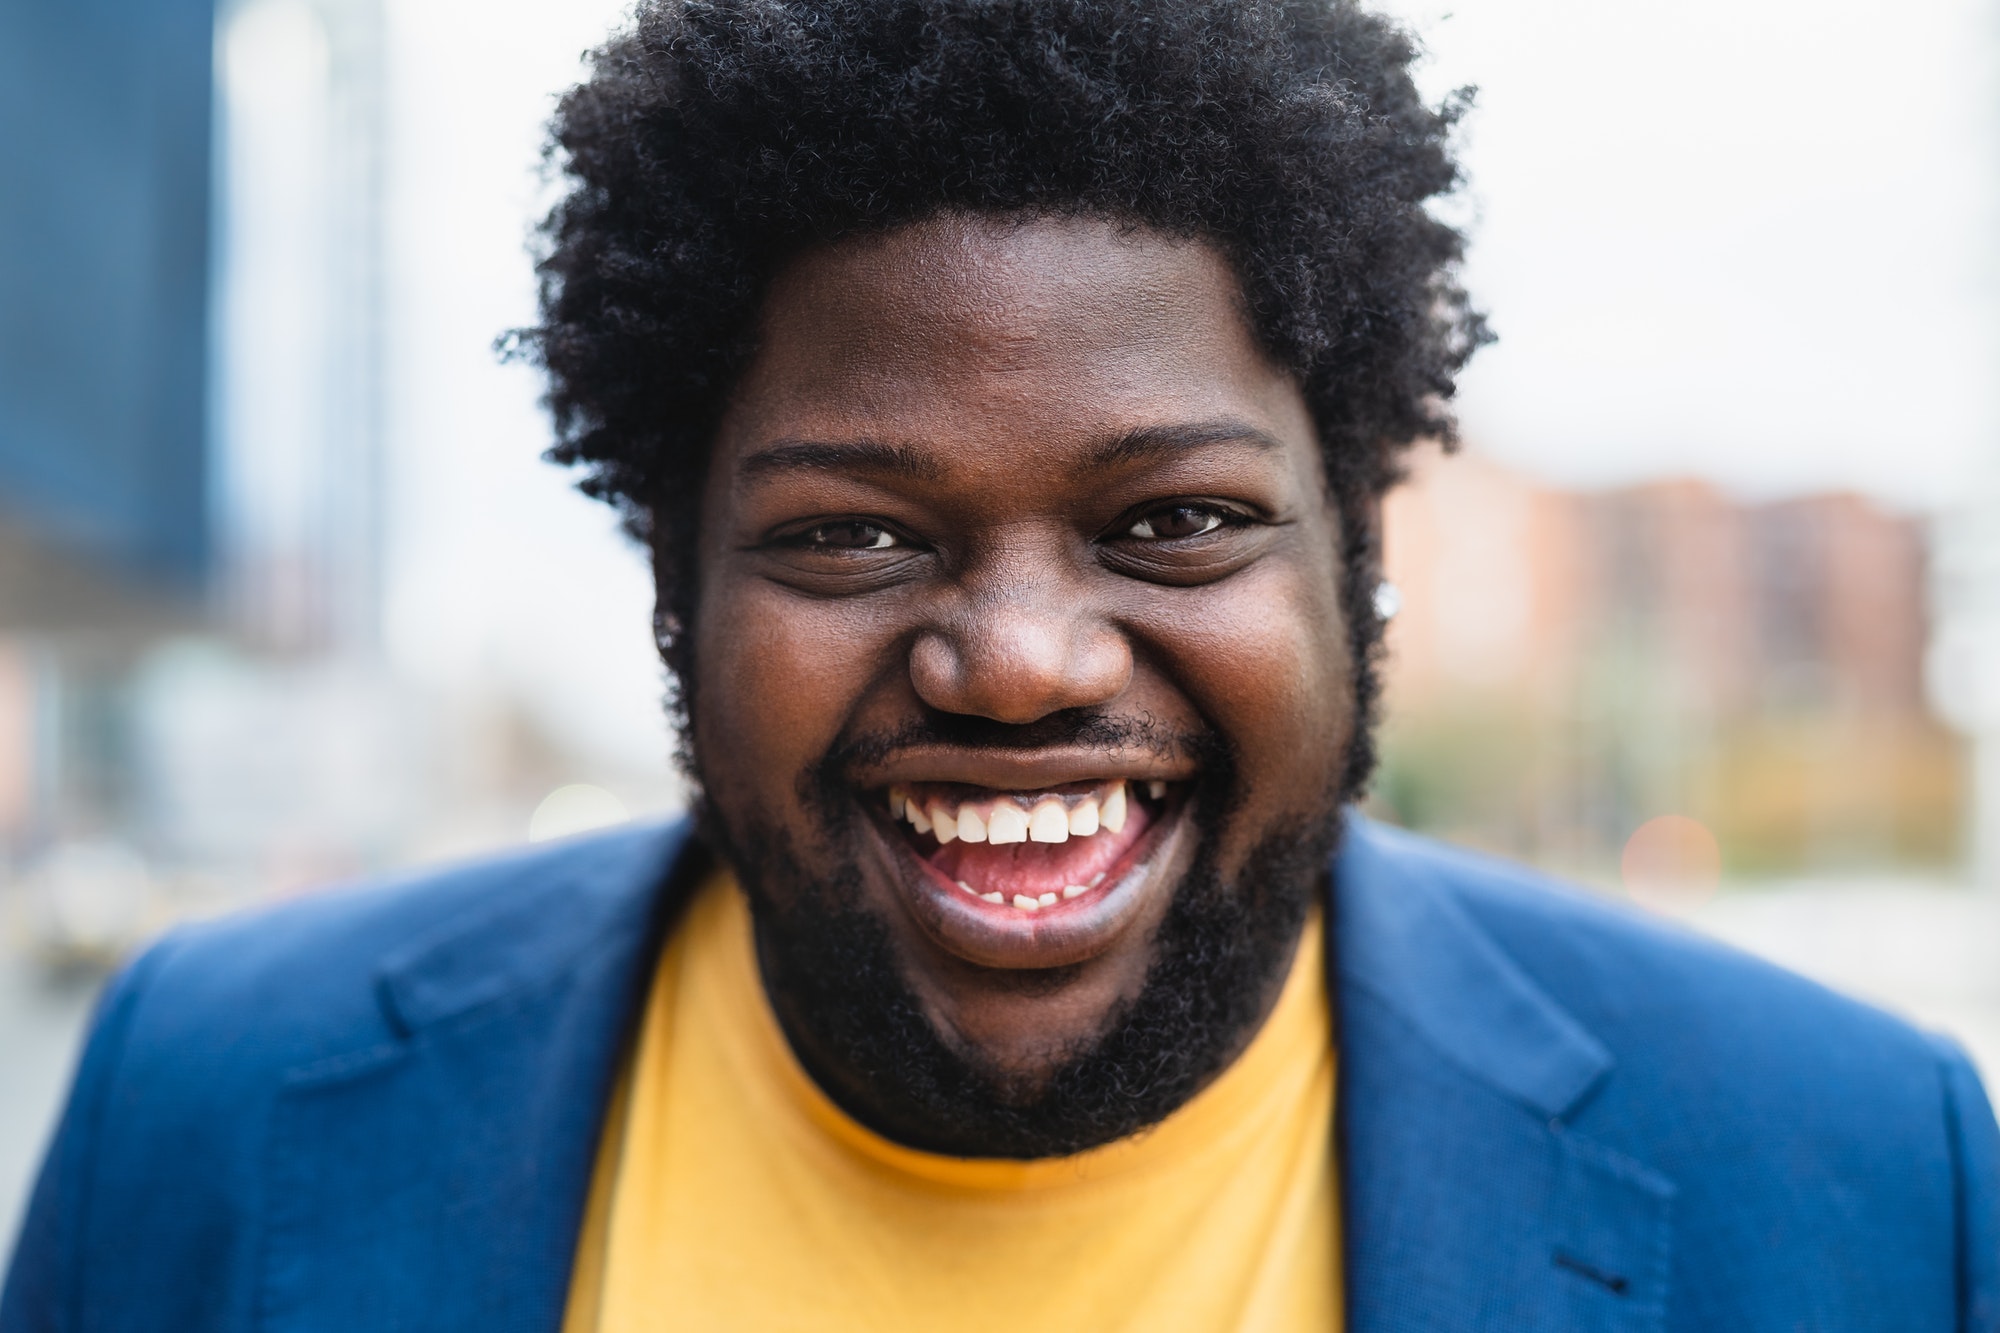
(378, 1109)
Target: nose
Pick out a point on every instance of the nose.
(1018, 654)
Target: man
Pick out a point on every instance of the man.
(1006, 389)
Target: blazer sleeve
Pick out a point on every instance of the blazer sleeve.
(1976, 1153)
(44, 1284)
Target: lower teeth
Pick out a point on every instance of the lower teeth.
(1032, 903)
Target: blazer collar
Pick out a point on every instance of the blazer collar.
(1467, 1200)
(1405, 939)
(1402, 937)
(538, 927)
(437, 1181)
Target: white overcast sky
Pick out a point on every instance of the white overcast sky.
(501, 577)
(1753, 240)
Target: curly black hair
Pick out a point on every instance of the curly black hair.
(716, 139)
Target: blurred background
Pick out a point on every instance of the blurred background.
(1706, 614)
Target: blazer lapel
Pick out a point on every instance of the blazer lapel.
(437, 1182)
(1468, 1202)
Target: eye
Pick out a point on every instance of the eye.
(849, 534)
(1177, 522)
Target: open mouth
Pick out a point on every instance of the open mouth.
(1027, 851)
(1031, 878)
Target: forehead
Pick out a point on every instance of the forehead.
(967, 327)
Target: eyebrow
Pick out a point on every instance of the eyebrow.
(903, 460)
(879, 456)
(1145, 442)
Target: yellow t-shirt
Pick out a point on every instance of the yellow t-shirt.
(731, 1193)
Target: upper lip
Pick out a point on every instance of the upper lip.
(1020, 770)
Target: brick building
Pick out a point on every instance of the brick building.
(1568, 664)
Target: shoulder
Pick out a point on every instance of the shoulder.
(324, 974)
(151, 1191)
(1759, 1093)
(1659, 994)
(1817, 1155)
(1653, 989)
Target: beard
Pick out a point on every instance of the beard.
(1219, 953)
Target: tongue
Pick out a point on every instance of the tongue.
(1035, 868)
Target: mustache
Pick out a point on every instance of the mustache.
(1075, 728)
(826, 786)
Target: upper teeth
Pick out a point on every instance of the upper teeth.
(1005, 821)
(1112, 816)
(1009, 823)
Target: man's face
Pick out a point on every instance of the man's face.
(1014, 534)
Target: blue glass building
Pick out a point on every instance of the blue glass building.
(105, 116)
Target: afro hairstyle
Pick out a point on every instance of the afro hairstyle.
(714, 140)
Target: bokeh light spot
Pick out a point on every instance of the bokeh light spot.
(1671, 863)
(577, 808)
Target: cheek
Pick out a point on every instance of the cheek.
(1264, 657)
(776, 679)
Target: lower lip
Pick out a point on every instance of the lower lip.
(1065, 932)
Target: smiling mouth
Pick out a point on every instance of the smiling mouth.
(1028, 852)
